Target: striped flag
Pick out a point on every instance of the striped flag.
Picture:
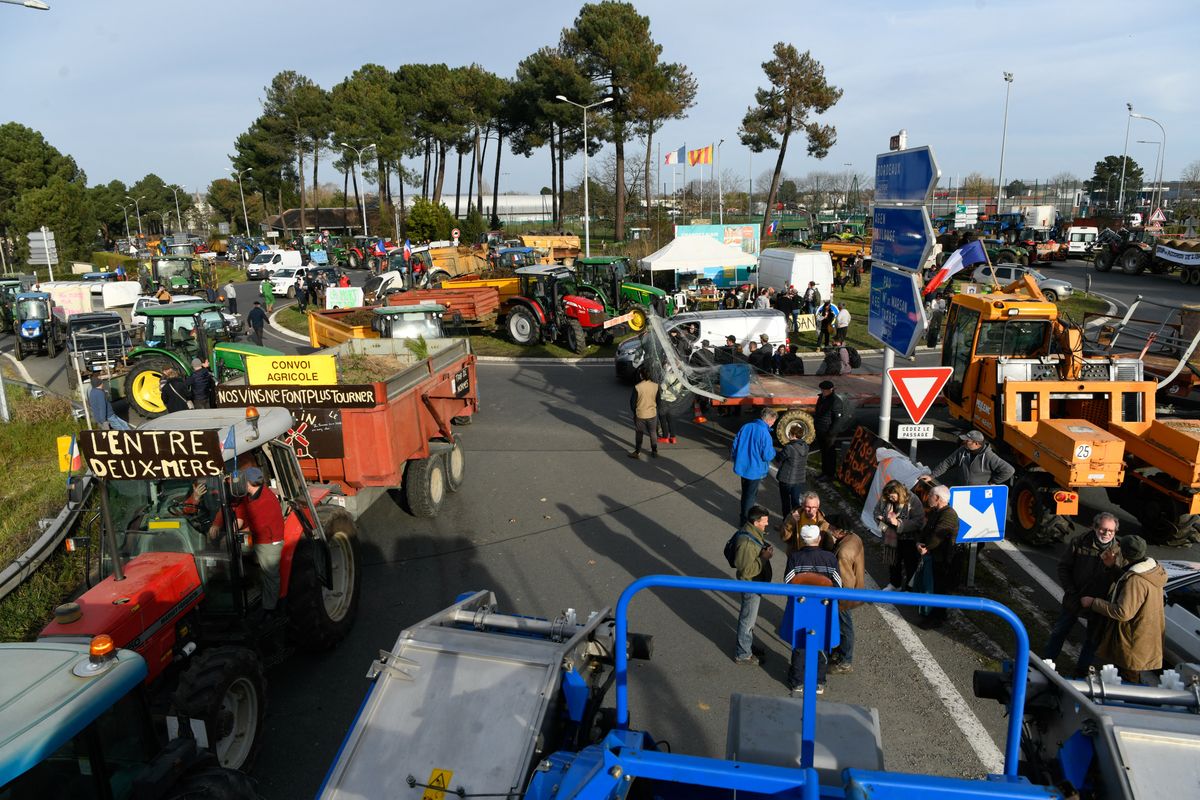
(772, 226)
(968, 255)
(674, 157)
(701, 156)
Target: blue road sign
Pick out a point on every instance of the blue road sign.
(901, 237)
(981, 512)
(896, 315)
(905, 176)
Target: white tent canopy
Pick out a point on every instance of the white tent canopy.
(694, 254)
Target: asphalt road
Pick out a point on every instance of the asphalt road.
(1125, 288)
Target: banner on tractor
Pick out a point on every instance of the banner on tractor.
(308, 370)
(298, 396)
(151, 455)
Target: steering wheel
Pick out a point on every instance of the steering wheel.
(182, 508)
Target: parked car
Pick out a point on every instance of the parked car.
(746, 324)
(267, 262)
(1054, 288)
(1182, 610)
(234, 321)
(100, 341)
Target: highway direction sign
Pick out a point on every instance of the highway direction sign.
(906, 176)
(902, 237)
(896, 315)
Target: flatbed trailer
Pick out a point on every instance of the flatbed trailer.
(472, 306)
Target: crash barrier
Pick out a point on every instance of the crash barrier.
(55, 530)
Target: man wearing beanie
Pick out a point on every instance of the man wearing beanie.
(1133, 639)
(815, 567)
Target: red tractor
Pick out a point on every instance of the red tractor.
(549, 308)
(182, 583)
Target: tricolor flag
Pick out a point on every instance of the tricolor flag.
(971, 253)
(771, 226)
(701, 156)
(674, 157)
(407, 250)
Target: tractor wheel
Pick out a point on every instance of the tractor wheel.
(637, 323)
(352, 260)
(522, 327)
(456, 466)
(224, 688)
(1050, 295)
(1023, 260)
(213, 783)
(1194, 276)
(436, 277)
(291, 293)
(373, 264)
(19, 350)
(795, 419)
(1036, 523)
(318, 616)
(1158, 267)
(1133, 261)
(143, 387)
(1103, 261)
(51, 347)
(1006, 257)
(425, 486)
(576, 338)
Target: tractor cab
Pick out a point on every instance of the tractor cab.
(606, 279)
(510, 259)
(33, 307)
(35, 324)
(175, 272)
(409, 322)
(549, 285)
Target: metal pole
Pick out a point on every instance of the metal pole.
(46, 244)
(4, 415)
(242, 194)
(1008, 79)
(587, 209)
(1124, 160)
(178, 216)
(110, 536)
(1157, 162)
(1162, 152)
(885, 395)
(137, 209)
(720, 184)
(364, 192)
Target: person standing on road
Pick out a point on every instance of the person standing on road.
(268, 295)
(1133, 640)
(752, 560)
(1082, 573)
(826, 319)
(936, 546)
(974, 463)
(230, 292)
(793, 471)
(937, 311)
(301, 289)
(257, 319)
(104, 416)
(763, 301)
(316, 288)
(851, 561)
(643, 402)
(808, 513)
(201, 384)
(829, 417)
(752, 454)
(900, 517)
(812, 566)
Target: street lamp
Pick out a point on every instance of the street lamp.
(587, 211)
(1008, 80)
(359, 152)
(245, 217)
(720, 186)
(1162, 152)
(125, 208)
(137, 210)
(1124, 160)
(36, 5)
(1157, 162)
(178, 216)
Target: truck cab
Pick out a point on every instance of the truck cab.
(409, 322)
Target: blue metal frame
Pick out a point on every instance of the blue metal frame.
(1016, 707)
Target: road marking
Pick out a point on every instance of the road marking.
(1022, 561)
(956, 706)
(22, 370)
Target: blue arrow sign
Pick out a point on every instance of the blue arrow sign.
(896, 315)
(981, 512)
(901, 237)
(905, 176)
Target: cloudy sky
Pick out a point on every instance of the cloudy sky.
(131, 86)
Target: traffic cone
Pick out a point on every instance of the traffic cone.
(697, 414)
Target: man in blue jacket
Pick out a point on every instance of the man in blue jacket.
(752, 454)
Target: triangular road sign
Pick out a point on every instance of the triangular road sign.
(1158, 216)
(918, 387)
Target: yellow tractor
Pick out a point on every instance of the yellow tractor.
(1068, 420)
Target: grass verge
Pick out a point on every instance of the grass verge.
(1080, 303)
(293, 319)
(226, 272)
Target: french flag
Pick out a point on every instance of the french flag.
(971, 253)
(407, 250)
(676, 156)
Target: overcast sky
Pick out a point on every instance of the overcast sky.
(130, 86)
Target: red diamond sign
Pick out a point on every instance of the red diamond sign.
(918, 387)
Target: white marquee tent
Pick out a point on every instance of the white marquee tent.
(695, 254)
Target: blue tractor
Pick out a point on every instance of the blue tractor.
(37, 326)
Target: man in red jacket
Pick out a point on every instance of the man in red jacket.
(260, 513)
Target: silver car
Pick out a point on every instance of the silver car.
(1182, 609)
(1053, 288)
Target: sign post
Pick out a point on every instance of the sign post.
(42, 248)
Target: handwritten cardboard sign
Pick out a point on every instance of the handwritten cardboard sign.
(297, 396)
(151, 455)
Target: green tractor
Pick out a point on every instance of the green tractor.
(175, 334)
(179, 274)
(1001, 252)
(604, 279)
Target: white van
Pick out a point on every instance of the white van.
(266, 262)
(780, 269)
(747, 324)
(1080, 240)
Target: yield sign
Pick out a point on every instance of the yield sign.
(918, 387)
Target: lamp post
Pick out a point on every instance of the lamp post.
(137, 210)
(242, 195)
(1124, 160)
(36, 5)
(720, 185)
(359, 151)
(178, 216)
(125, 209)
(1162, 152)
(587, 210)
(1157, 162)
(1008, 80)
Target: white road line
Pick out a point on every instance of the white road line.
(962, 715)
(25, 376)
(1022, 561)
(1031, 609)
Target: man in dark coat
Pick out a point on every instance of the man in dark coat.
(936, 542)
(257, 319)
(1082, 572)
(830, 417)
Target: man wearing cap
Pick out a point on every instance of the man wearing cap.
(260, 513)
(729, 353)
(1133, 640)
(974, 463)
(812, 566)
(830, 417)
(936, 545)
(1082, 572)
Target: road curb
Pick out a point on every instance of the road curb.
(282, 331)
(20, 368)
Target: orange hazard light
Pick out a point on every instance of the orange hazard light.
(101, 646)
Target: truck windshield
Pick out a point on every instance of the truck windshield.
(1013, 338)
(33, 309)
(262, 258)
(173, 269)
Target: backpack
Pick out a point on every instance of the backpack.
(855, 358)
(731, 547)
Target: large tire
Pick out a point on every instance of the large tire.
(51, 346)
(224, 688)
(291, 293)
(1133, 261)
(1103, 261)
(576, 338)
(1006, 257)
(143, 387)
(352, 260)
(213, 783)
(436, 277)
(522, 327)
(637, 323)
(795, 418)
(425, 486)
(456, 466)
(1051, 295)
(1032, 519)
(1194, 276)
(320, 617)
(1023, 260)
